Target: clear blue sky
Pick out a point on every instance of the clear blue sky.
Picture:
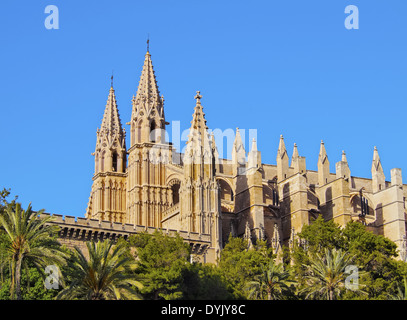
(281, 67)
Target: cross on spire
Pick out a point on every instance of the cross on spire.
(198, 97)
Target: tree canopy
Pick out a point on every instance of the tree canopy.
(159, 266)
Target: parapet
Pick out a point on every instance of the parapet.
(84, 229)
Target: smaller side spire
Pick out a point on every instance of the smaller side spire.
(342, 167)
(378, 178)
(199, 140)
(254, 156)
(110, 152)
(297, 162)
(282, 160)
(323, 165)
(344, 156)
(238, 154)
(295, 155)
(254, 145)
(198, 122)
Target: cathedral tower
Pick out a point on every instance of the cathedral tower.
(199, 194)
(108, 196)
(147, 195)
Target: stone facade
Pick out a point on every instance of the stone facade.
(150, 185)
(75, 231)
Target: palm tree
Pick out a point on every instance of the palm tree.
(106, 275)
(29, 240)
(401, 292)
(273, 282)
(327, 273)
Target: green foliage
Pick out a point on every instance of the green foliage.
(106, 274)
(379, 272)
(158, 266)
(204, 282)
(239, 263)
(32, 285)
(162, 260)
(28, 241)
(272, 283)
(327, 273)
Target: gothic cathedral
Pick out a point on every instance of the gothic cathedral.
(152, 185)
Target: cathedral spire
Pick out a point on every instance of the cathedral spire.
(297, 162)
(198, 118)
(295, 155)
(344, 156)
(378, 178)
(342, 167)
(111, 120)
(110, 166)
(323, 165)
(238, 154)
(148, 107)
(282, 160)
(198, 138)
(148, 94)
(110, 153)
(254, 156)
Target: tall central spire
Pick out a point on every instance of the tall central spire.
(147, 115)
(148, 95)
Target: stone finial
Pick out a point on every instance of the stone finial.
(344, 156)
(295, 152)
(378, 178)
(198, 97)
(254, 145)
(323, 165)
(282, 160)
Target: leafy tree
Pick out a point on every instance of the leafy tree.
(401, 291)
(162, 260)
(28, 240)
(373, 254)
(205, 282)
(108, 273)
(274, 283)
(32, 286)
(239, 264)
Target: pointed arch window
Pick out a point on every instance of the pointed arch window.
(175, 193)
(114, 161)
(275, 198)
(152, 131)
(102, 162)
(364, 204)
(140, 124)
